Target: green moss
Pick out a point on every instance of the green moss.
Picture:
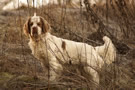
(4, 77)
(26, 78)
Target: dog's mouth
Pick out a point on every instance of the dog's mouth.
(35, 36)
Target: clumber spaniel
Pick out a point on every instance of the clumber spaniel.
(52, 50)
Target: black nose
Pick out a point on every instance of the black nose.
(34, 30)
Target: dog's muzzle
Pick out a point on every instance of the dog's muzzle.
(35, 32)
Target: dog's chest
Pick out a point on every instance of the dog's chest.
(39, 50)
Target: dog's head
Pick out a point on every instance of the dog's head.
(36, 26)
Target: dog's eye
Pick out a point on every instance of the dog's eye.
(31, 24)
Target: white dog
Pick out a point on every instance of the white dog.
(52, 50)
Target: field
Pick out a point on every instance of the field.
(19, 70)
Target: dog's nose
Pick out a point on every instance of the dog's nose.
(34, 30)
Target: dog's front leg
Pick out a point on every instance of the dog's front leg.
(55, 69)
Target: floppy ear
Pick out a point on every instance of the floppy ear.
(26, 27)
(45, 25)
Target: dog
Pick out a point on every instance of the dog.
(52, 50)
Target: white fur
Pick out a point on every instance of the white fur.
(107, 51)
(49, 47)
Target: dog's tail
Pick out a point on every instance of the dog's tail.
(106, 40)
(107, 51)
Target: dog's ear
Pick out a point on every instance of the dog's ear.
(26, 27)
(45, 25)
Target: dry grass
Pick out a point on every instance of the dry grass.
(23, 71)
